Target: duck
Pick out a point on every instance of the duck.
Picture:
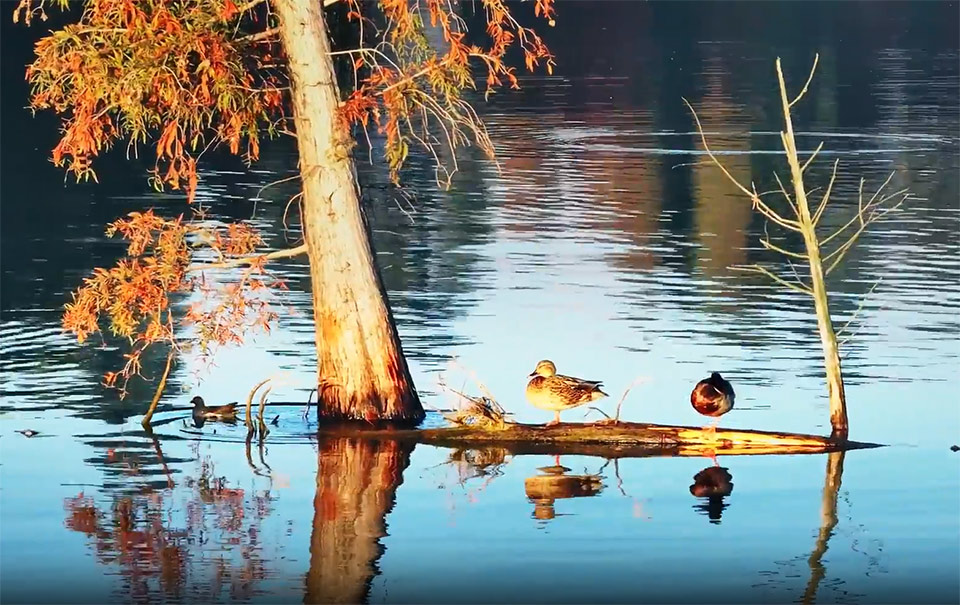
(548, 390)
(713, 397)
(202, 413)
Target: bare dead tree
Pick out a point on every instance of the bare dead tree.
(822, 253)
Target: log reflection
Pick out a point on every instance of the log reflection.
(357, 481)
(713, 484)
(828, 521)
(554, 484)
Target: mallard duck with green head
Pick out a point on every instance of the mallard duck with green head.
(548, 390)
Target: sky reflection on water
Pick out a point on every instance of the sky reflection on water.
(605, 244)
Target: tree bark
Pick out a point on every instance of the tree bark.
(828, 337)
(361, 371)
(357, 480)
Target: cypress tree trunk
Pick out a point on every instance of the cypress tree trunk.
(361, 369)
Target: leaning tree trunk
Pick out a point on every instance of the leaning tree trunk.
(828, 337)
(357, 480)
(361, 369)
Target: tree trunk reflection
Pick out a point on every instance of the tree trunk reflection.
(828, 520)
(357, 480)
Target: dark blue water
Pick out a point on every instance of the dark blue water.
(604, 244)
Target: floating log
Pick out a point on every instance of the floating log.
(610, 440)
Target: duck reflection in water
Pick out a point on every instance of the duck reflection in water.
(555, 484)
(714, 484)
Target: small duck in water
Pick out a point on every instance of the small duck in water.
(712, 397)
(555, 392)
(202, 413)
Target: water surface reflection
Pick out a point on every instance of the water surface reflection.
(604, 244)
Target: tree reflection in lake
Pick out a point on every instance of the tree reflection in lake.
(357, 481)
(172, 543)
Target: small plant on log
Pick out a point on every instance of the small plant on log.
(822, 253)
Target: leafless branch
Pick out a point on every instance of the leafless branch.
(810, 159)
(783, 190)
(826, 194)
(703, 138)
(816, 59)
(857, 312)
(769, 246)
(257, 37)
(249, 260)
(774, 277)
(838, 254)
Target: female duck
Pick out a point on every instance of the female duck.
(555, 392)
(201, 412)
(713, 397)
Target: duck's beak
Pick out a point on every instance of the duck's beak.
(534, 373)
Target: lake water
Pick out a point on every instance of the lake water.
(605, 244)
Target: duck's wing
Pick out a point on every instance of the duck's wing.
(578, 383)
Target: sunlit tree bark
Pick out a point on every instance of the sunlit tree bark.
(361, 370)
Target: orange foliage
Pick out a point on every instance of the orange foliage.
(133, 69)
(421, 87)
(134, 295)
(185, 76)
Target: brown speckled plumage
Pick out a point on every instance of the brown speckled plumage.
(548, 390)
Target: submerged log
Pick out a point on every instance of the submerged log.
(621, 439)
